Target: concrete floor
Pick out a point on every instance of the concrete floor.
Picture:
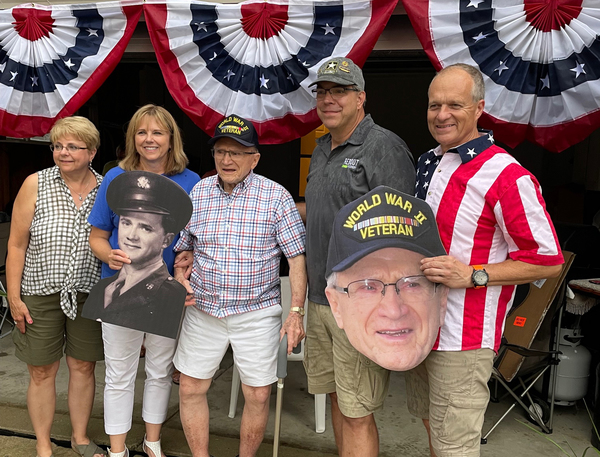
(400, 433)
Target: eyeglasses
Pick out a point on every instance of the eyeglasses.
(220, 153)
(336, 92)
(57, 147)
(371, 291)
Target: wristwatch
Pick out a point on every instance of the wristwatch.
(297, 309)
(479, 277)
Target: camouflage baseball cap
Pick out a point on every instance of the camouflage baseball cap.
(341, 70)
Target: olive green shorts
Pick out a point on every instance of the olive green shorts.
(450, 389)
(52, 333)
(333, 365)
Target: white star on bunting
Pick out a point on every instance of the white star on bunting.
(229, 75)
(501, 68)
(263, 81)
(201, 26)
(475, 3)
(328, 29)
(481, 36)
(579, 69)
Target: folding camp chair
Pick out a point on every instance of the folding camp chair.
(517, 360)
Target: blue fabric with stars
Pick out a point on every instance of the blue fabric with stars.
(506, 68)
(283, 78)
(429, 161)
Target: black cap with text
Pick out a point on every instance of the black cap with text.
(382, 218)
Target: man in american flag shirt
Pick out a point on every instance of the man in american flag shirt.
(241, 225)
(495, 228)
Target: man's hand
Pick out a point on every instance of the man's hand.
(294, 327)
(116, 259)
(20, 314)
(190, 298)
(448, 271)
(185, 260)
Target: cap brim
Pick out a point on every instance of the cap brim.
(382, 244)
(214, 139)
(333, 79)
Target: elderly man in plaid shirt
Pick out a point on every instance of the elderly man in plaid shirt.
(240, 226)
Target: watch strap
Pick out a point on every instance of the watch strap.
(297, 309)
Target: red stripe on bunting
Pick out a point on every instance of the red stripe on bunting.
(418, 13)
(272, 131)
(556, 138)
(22, 126)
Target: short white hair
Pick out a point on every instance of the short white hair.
(331, 279)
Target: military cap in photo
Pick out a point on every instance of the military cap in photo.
(382, 218)
(236, 128)
(145, 192)
(340, 70)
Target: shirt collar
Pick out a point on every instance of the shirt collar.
(471, 149)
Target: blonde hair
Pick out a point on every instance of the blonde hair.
(176, 158)
(81, 128)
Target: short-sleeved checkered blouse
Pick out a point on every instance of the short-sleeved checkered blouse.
(59, 257)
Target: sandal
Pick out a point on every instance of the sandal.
(87, 450)
(154, 446)
(125, 453)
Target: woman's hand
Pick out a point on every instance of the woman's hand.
(185, 260)
(20, 314)
(116, 259)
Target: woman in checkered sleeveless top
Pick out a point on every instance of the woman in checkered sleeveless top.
(50, 269)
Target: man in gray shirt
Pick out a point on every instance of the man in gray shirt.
(355, 157)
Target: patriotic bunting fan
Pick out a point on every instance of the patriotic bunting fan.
(256, 59)
(540, 60)
(52, 59)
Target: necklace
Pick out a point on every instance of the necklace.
(82, 190)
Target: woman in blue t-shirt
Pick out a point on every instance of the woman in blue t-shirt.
(153, 143)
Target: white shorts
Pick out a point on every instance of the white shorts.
(254, 338)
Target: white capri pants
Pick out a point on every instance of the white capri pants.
(122, 356)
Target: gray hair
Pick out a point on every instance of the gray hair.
(478, 90)
(331, 279)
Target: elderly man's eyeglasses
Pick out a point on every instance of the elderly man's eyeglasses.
(371, 291)
(220, 153)
(335, 92)
(57, 147)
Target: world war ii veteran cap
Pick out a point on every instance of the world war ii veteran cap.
(340, 70)
(145, 192)
(383, 218)
(237, 128)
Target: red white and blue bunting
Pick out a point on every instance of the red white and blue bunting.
(257, 58)
(540, 60)
(53, 58)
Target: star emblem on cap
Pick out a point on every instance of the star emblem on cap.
(143, 182)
